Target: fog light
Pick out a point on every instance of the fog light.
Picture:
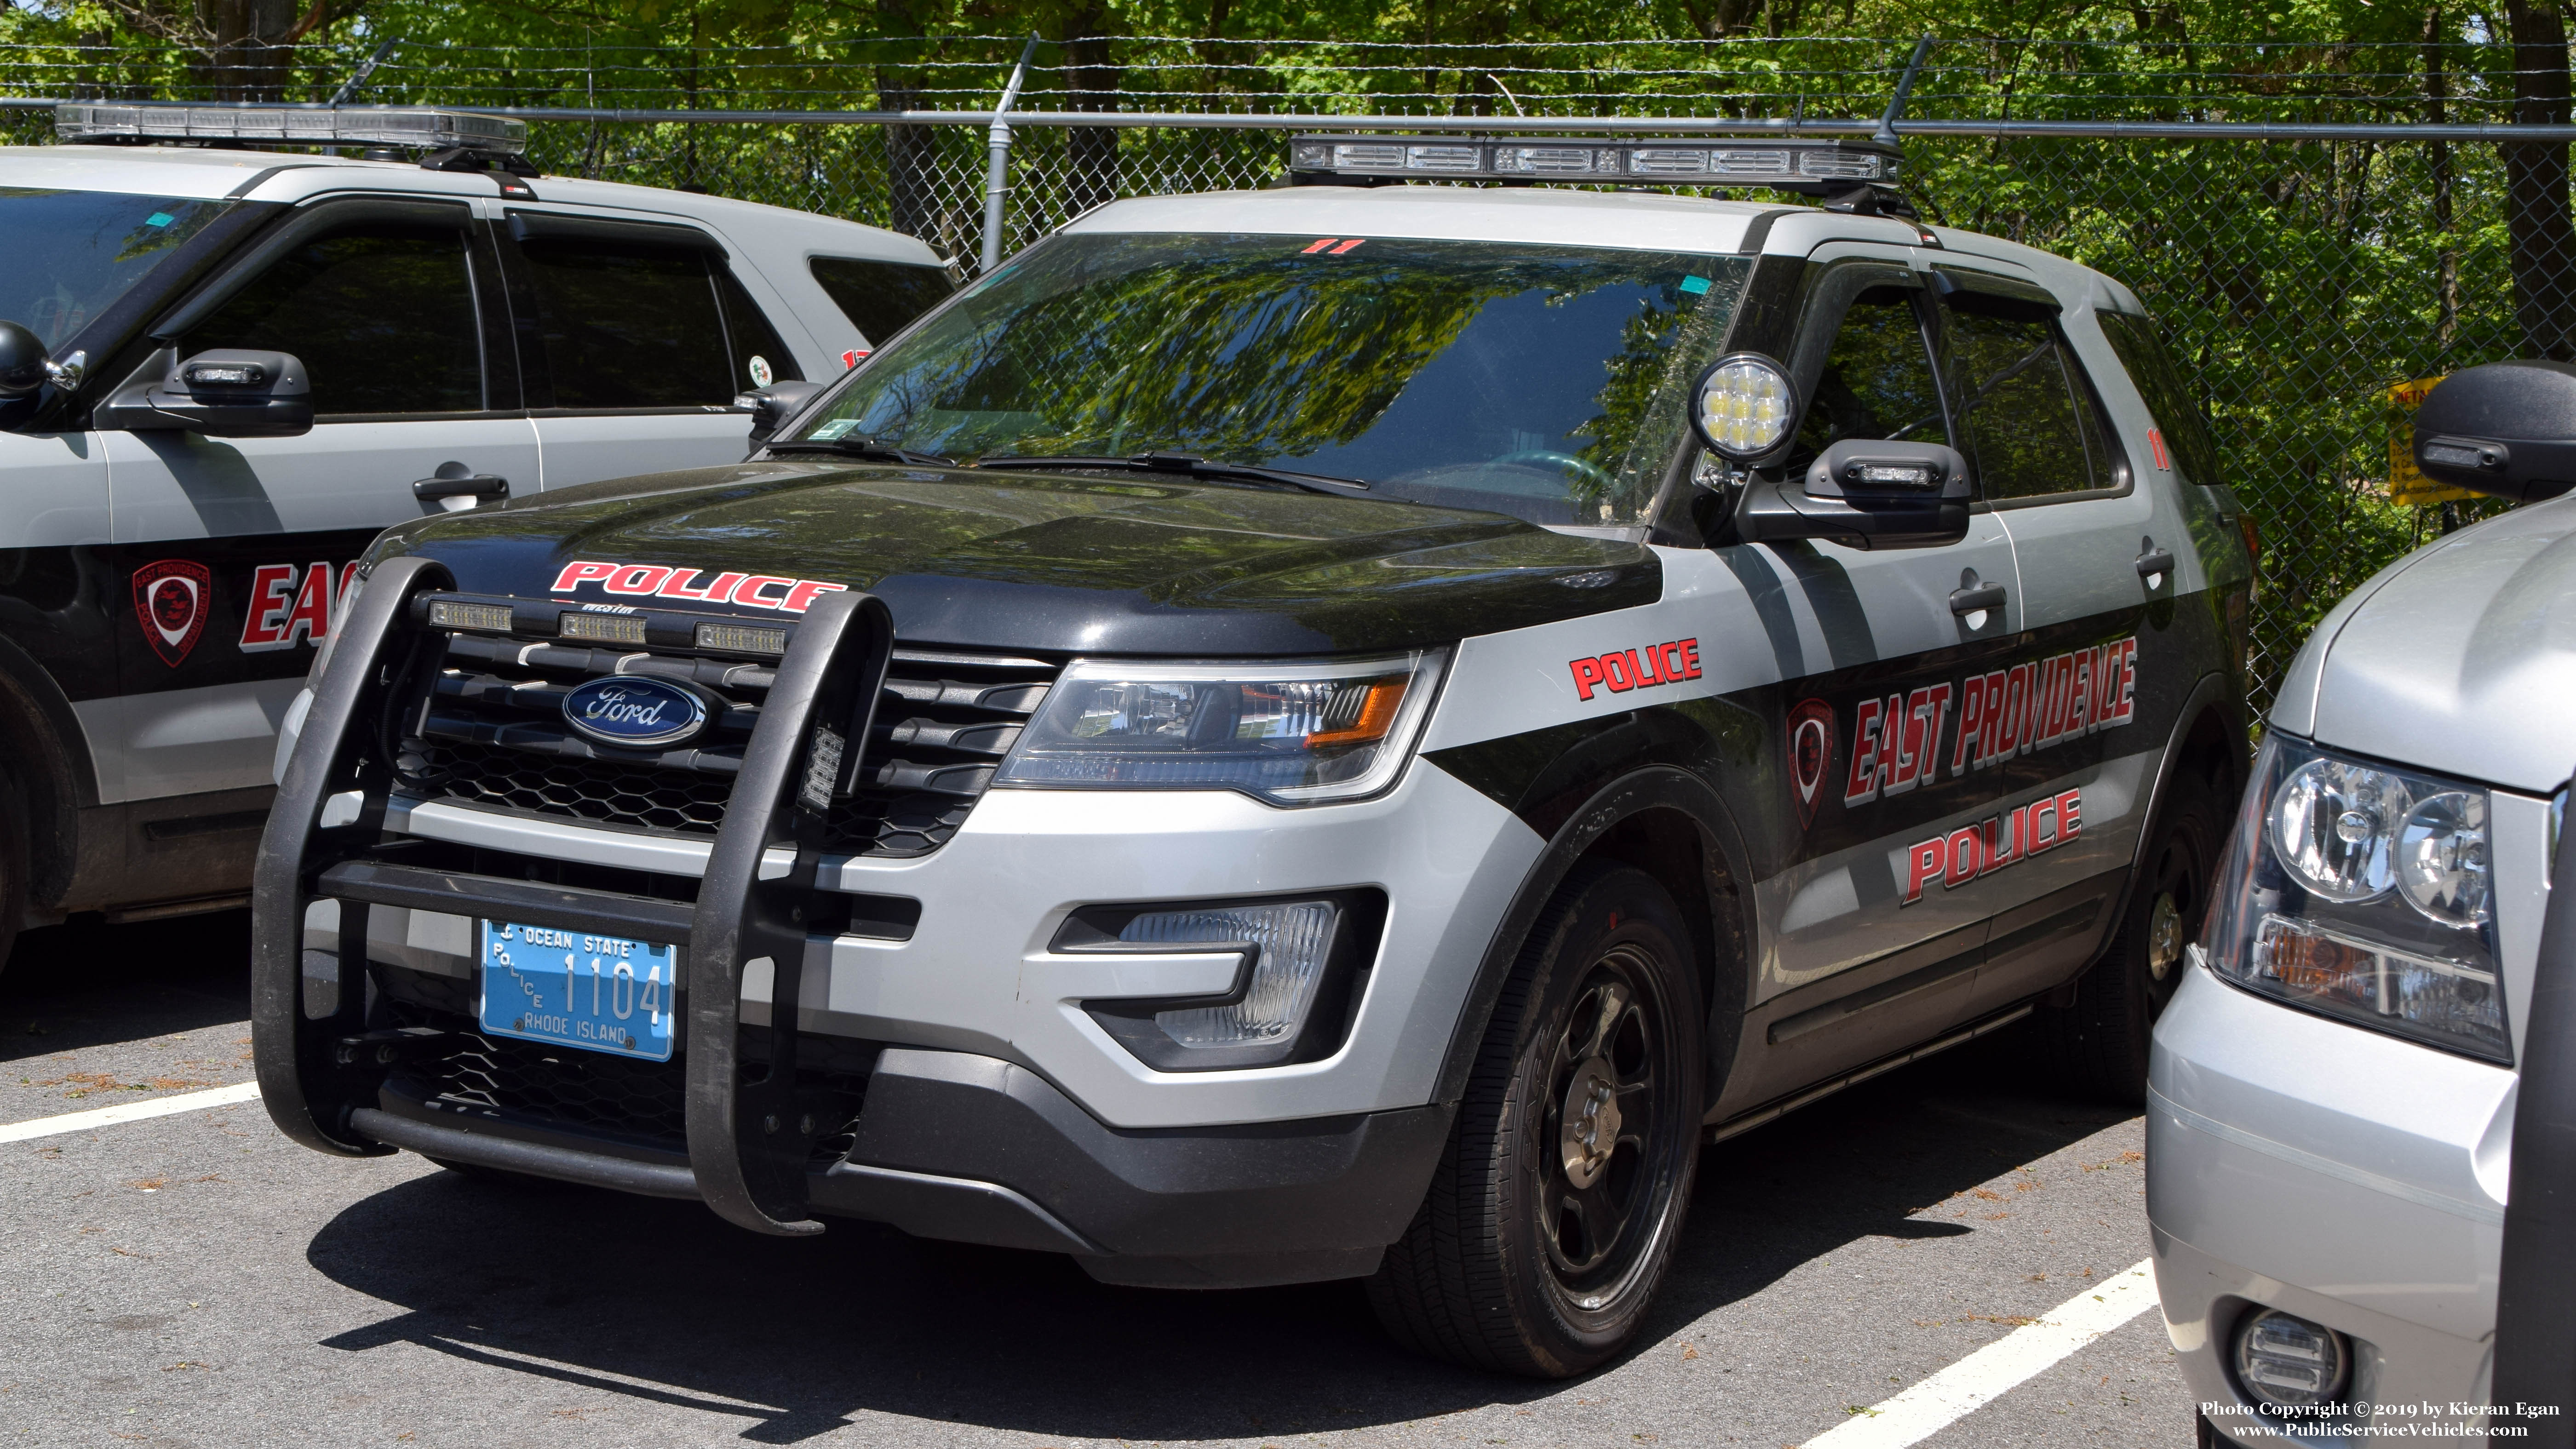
(1291, 942)
(2285, 1360)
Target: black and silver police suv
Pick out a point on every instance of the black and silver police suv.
(1338, 731)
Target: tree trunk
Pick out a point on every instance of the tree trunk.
(912, 152)
(249, 49)
(2437, 159)
(1091, 152)
(2543, 232)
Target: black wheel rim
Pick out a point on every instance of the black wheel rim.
(2173, 906)
(1601, 1153)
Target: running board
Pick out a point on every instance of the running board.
(1747, 1121)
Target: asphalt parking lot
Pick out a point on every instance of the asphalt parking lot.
(194, 1279)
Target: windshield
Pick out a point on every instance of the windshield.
(1542, 381)
(73, 253)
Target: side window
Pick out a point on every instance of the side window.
(2150, 364)
(880, 298)
(1877, 382)
(628, 326)
(759, 357)
(2029, 422)
(382, 318)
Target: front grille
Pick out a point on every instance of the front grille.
(492, 733)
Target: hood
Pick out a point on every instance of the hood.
(2459, 658)
(1055, 562)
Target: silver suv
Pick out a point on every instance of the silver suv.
(2331, 1113)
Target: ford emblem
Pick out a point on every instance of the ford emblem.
(639, 714)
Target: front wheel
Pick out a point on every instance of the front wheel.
(2099, 1043)
(1552, 1216)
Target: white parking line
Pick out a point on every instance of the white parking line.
(1986, 1375)
(130, 1112)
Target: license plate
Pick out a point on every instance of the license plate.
(571, 988)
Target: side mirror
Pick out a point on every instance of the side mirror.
(22, 361)
(1865, 494)
(224, 393)
(774, 405)
(2507, 428)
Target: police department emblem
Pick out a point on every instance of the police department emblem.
(1811, 755)
(170, 598)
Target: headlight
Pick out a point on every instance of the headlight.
(2363, 893)
(1292, 734)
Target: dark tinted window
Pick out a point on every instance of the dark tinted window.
(629, 327)
(755, 344)
(1877, 383)
(383, 320)
(2169, 398)
(881, 298)
(2030, 427)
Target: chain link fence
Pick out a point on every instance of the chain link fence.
(2331, 233)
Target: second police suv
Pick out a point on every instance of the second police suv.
(1339, 731)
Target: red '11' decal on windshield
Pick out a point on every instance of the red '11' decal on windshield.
(1622, 670)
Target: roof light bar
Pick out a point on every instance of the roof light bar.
(1820, 165)
(417, 127)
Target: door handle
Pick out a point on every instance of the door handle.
(2154, 564)
(1964, 602)
(471, 485)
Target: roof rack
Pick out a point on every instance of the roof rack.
(415, 128)
(1849, 175)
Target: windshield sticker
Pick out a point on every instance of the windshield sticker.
(159, 218)
(1693, 286)
(835, 429)
(1346, 246)
(1991, 844)
(761, 376)
(854, 357)
(1622, 670)
(750, 591)
(1319, 246)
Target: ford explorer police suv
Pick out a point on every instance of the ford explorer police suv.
(224, 370)
(1336, 731)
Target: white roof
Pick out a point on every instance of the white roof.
(1540, 217)
(205, 173)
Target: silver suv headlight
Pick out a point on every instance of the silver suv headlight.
(1288, 733)
(2364, 893)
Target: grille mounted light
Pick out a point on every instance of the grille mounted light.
(1816, 166)
(601, 628)
(421, 128)
(486, 618)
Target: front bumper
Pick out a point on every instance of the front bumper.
(978, 1099)
(2349, 1178)
(967, 1148)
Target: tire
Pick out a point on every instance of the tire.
(1536, 1251)
(2097, 1047)
(13, 866)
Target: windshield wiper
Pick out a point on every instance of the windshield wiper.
(867, 448)
(1193, 466)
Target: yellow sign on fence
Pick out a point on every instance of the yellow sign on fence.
(2407, 484)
